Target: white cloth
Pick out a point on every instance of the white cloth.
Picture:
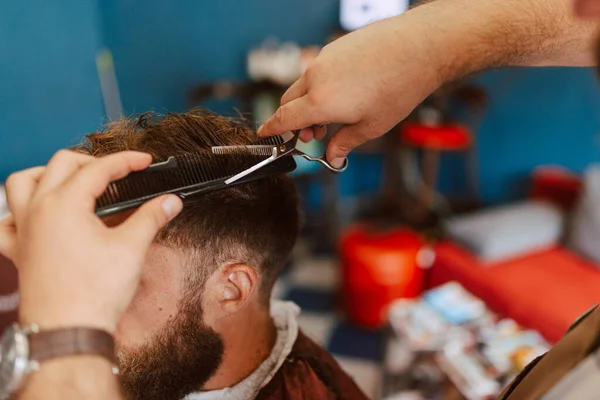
(585, 224)
(508, 231)
(284, 316)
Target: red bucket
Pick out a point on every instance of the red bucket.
(379, 267)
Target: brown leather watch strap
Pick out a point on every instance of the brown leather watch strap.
(46, 345)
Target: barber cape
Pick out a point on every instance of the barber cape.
(297, 368)
(570, 370)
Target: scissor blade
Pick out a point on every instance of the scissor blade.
(253, 168)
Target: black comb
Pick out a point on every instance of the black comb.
(187, 175)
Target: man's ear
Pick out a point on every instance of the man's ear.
(237, 285)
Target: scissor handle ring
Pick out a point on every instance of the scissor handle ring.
(323, 161)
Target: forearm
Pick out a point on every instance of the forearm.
(73, 378)
(472, 35)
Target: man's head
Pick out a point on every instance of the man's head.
(213, 264)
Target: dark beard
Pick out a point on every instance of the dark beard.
(177, 362)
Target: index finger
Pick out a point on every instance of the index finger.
(297, 114)
(62, 165)
(91, 180)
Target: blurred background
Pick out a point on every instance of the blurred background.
(450, 253)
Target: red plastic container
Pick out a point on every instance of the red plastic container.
(379, 267)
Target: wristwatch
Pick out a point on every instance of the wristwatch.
(23, 348)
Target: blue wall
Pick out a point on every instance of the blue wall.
(49, 91)
(537, 116)
(163, 48)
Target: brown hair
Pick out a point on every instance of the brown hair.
(255, 223)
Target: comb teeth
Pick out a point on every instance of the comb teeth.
(262, 147)
(260, 150)
(271, 140)
(189, 169)
(190, 173)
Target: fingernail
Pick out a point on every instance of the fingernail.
(260, 129)
(171, 206)
(338, 162)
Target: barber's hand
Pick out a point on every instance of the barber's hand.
(368, 80)
(73, 269)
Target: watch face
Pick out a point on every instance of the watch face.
(13, 359)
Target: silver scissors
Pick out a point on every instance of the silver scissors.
(275, 151)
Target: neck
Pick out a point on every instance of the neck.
(248, 341)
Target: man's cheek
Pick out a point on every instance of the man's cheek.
(142, 321)
(130, 332)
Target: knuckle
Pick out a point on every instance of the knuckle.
(119, 162)
(107, 165)
(347, 142)
(61, 156)
(12, 180)
(310, 71)
(345, 147)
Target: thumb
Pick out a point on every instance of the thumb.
(143, 225)
(343, 142)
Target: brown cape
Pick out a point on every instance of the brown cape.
(310, 372)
